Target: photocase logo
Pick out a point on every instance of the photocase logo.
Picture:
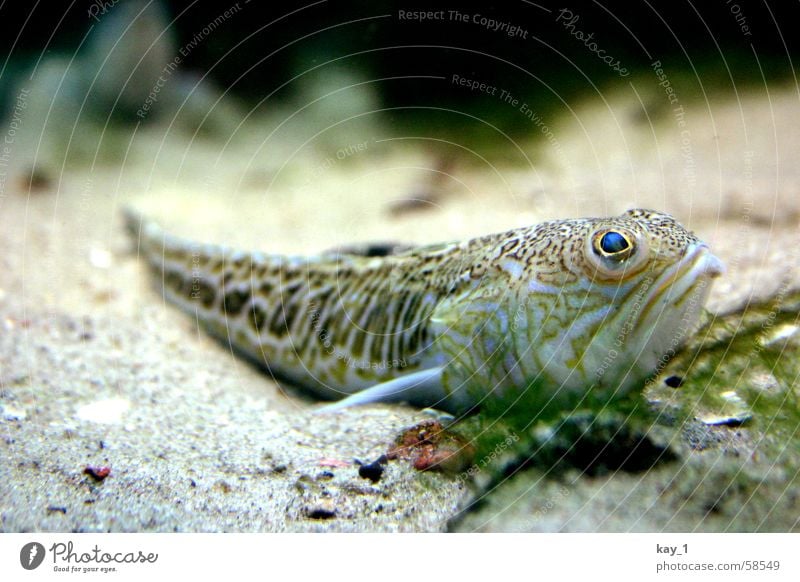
(31, 555)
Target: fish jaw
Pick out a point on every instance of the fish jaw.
(670, 313)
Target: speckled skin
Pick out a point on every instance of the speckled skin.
(540, 312)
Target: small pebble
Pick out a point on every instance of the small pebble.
(674, 381)
(374, 470)
(98, 472)
(323, 510)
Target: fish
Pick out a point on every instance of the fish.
(564, 313)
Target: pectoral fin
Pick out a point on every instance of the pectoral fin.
(423, 388)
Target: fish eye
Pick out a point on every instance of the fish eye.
(613, 244)
(615, 253)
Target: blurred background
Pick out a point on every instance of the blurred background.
(517, 82)
(268, 55)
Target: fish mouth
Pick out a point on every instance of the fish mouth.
(710, 266)
(697, 262)
(697, 267)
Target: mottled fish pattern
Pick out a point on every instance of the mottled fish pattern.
(558, 310)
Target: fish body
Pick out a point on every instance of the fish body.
(553, 314)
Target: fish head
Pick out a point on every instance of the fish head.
(570, 308)
(643, 280)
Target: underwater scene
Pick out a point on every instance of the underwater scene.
(393, 267)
